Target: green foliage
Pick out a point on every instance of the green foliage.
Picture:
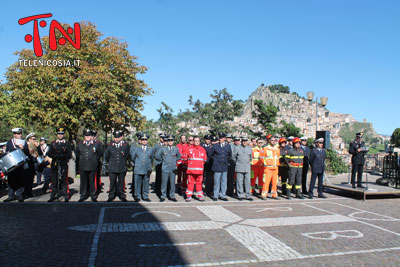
(395, 138)
(289, 129)
(102, 93)
(334, 163)
(279, 88)
(348, 132)
(167, 122)
(265, 115)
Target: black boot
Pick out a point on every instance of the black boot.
(298, 195)
(288, 194)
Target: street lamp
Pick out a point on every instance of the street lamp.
(324, 101)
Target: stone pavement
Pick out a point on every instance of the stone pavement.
(336, 231)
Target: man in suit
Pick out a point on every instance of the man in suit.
(317, 162)
(60, 153)
(97, 176)
(358, 151)
(116, 156)
(208, 173)
(169, 156)
(157, 183)
(88, 153)
(143, 157)
(16, 177)
(242, 156)
(306, 150)
(221, 154)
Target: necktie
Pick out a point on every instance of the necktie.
(170, 148)
(144, 148)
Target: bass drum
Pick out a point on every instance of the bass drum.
(12, 160)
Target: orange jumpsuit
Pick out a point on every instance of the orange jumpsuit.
(271, 158)
(257, 168)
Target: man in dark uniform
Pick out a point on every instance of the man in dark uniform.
(283, 169)
(295, 158)
(169, 156)
(116, 156)
(157, 184)
(208, 173)
(306, 150)
(358, 151)
(88, 154)
(142, 156)
(97, 175)
(317, 161)
(60, 152)
(16, 177)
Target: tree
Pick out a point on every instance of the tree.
(266, 116)
(289, 129)
(280, 88)
(167, 121)
(102, 92)
(395, 138)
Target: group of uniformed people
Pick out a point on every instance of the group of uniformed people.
(222, 164)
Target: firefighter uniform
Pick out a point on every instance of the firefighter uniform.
(60, 152)
(295, 158)
(271, 156)
(257, 169)
(283, 169)
(197, 157)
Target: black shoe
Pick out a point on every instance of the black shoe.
(81, 200)
(354, 186)
(322, 196)
(223, 198)
(310, 196)
(9, 199)
(52, 199)
(275, 198)
(21, 200)
(147, 200)
(304, 192)
(110, 200)
(162, 199)
(94, 200)
(299, 196)
(288, 194)
(249, 199)
(240, 199)
(66, 199)
(360, 186)
(123, 199)
(215, 199)
(137, 199)
(174, 199)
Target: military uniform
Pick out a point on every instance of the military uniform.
(168, 156)
(60, 152)
(116, 156)
(242, 156)
(158, 181)
(88, 153)
(357, 161)
(294, 159)
(97, 176)
(306, 150)
(143, 157)
(317, 161)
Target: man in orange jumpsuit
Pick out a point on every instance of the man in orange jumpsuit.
(196, 158)
(271, 156)
(257, 167)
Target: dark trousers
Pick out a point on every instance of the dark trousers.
(357, 168)
(283, 172)
(98, 178)
(209, 182)
(59, 181)
(295, 176)
(87, 178)
(230, 182)
(168, 180)
(304, 178)
(117, 184)
(314, 176)
(28, 181)
(157, 185)
(46, 178)
(142, 186)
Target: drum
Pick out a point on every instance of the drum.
(40, 160)
(12, 160)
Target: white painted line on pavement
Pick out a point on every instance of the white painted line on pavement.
(262, 244)
(93, 251)
(171, 244)
(219, 214)
(298, 220)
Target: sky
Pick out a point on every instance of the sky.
(347, 51)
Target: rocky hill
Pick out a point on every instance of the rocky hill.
(299, 111)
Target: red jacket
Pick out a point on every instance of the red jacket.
(197, 157)
(182, 150)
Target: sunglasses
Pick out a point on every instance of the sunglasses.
(190, 140)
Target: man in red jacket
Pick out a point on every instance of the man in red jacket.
(197, 157)
(182, 165)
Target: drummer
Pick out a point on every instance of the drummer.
(32, 162)
(16, 177)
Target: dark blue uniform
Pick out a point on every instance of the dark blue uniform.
(317, 162)
(357, 161)
(60, 152)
